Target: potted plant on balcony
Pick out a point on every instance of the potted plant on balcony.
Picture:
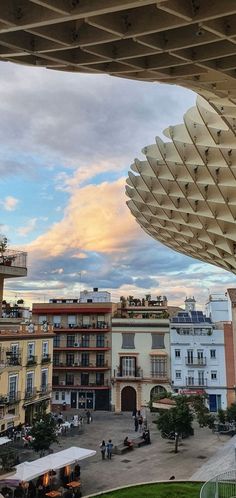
(5, 259)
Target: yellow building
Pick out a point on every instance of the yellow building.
(25, 373)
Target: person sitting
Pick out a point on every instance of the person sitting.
(146, 436)
(128, 443)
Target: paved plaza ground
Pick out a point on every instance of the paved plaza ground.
(149, 463)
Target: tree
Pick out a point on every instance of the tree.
(3, 244)
(178, 420)
(20, 301)
(43, 433)
(231, 413)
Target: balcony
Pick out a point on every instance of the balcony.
(192, 382)
(68, 385)
(31, 360)
(46, 358)
(159, 376)
(135, 374)
(80, 366)
(30, 393)
(195, 361)
(13, 263)
(10, 398)
(96, 326)
(45, 389)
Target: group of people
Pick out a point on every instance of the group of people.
(106, 449)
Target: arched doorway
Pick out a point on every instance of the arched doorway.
(128, 399)
(155, 391)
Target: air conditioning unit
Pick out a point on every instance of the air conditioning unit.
(62, 383)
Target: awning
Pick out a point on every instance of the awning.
(29, 470)
(4, 440)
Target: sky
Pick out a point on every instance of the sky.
(67, 143)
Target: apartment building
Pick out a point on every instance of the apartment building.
(199, 358)
(25, 373)
(140, 352)
(82, 349)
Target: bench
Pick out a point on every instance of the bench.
(119, 449)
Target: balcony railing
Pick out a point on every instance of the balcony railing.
(95, 326)
(45, 389)
(30, 393)
(135, 374)
(79, 364)
(195, 361)
(159, 375)
(65, 384)
(191, 381)
(46, 358)
(14, 258)
(9, 398)
(31, 360)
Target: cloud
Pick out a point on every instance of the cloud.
(27, 228)
(9, 203)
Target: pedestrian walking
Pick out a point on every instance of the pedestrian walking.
(140, 423)
(88, 415)
(109, 449)
(136, 424)
(103, 449)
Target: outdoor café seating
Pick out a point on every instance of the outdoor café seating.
(51, 476)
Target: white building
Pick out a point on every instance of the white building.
(140, 353)
(217, 308)
(95, 296)
(198, 358)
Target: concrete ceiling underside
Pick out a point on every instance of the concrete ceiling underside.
(188, 42)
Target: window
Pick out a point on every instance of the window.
(86, 321)
(56, 321)
(128, 341)
(56, 359)
(213, 375)
(56, 341)
(57, 396)
(84, 379)
(12, 386)
(85, 341)
(100, 360)
(29, 382)
(70, 341)
(70, 359)
(158, 341)
(158, 366)
(71, 321)
(178, 374)
(177, 353)
(44, 379)
(100, 341)
(212, 354)
(69, 379)
(63, 396)
(85, 359)
(100, 379)
(45, 349)
(30, 350)
(128, 366)
(42, 319)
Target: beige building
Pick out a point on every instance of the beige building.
(25, 373)
(140, 352)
